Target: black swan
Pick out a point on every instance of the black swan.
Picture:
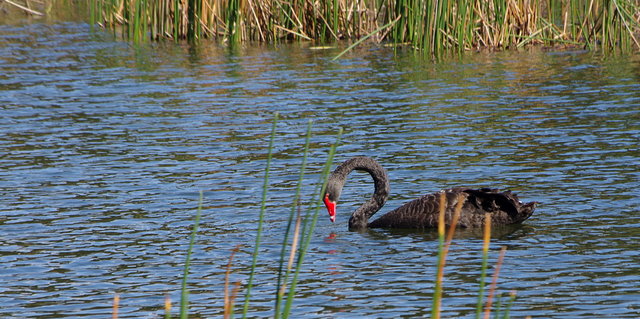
(505, 207)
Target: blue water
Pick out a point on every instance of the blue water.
(104, 146)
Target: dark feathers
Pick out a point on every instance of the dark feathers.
(505, 207)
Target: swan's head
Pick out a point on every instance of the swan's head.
(330, 198)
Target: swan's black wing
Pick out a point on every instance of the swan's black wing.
(505, 209)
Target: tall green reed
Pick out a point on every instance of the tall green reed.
(283, 277)
(263, 205)
(298, 251)
(184, 295)
(233, 16)
(301, 237)
(309, 226)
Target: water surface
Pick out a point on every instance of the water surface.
(104, 146)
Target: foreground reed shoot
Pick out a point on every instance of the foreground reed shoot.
(303, 229)
(230, 296)
(116, 305)
(167, 306)
(485, 261)
(184, 295)
(263, 204)
(309, 225)
(283, 277)
(443, 249)
(494, 283)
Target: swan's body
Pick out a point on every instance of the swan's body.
(505, 207)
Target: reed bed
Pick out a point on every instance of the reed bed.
(28, 7)
(434, 27)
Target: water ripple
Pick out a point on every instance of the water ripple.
(105, 146)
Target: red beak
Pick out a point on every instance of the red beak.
(331, 207)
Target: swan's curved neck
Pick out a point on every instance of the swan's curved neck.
(359, 219)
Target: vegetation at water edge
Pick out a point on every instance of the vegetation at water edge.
(434, 27)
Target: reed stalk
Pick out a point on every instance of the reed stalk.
(263, 205)
(184, 296)
(512, 298)
(233, 21)
(443, 248)
(388, 25)
(292, 254)
(167, 306)
(230, 296)
(309, 226)
(116, 305)
(485, 258)
(281, 284)
(294, 246)
(437, 290)
(494, 283)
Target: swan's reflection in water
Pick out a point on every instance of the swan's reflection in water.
(502, 232)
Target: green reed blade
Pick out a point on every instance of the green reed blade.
(92, 14)
(335, 9)
(184, 296)
(296, 199)
(263, 206)
(512, 298)
(630, 24)
(176, 20)
(364, 38)
(233, 21)
(307, 234)
(136, 20)
(498, 307)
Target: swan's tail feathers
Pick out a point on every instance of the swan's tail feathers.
(526, 210)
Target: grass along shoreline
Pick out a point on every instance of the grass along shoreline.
(434, 27)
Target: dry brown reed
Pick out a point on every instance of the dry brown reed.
(26, 6)
(486, 240)
(292, 253)
(116, 305)
(443, 250)
(167, 306)
(230, 296)
(494, 283)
